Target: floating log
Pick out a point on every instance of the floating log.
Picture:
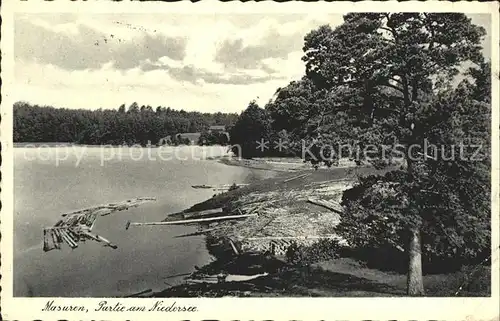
(73, 235)
(105, 212)
(90, 236)
(235, 250)
(58, 235)
(107, 243)
(335, 207)
(54, 239)
(203, 213)
(46, 240)
(64, 239)
(112, 206)
(68, 239)
(93, 220)
(181, 222)
(83, 211)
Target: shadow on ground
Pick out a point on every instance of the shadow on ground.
(282, 280)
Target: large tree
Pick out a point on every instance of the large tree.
(250, 134)
(385, 71)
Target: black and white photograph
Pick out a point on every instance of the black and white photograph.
(261, 154)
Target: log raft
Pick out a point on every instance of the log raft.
(76, 226)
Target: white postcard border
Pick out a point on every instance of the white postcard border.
(242, 308)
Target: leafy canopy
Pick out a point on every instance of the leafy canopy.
(390, 79)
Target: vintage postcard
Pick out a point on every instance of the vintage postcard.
(256, 161)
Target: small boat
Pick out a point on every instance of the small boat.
(202, 186)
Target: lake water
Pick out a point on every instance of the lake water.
(46, 187)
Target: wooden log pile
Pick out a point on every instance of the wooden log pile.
(76, 226)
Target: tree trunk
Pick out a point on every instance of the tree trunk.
(415, 282)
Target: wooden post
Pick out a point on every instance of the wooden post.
(108, 243)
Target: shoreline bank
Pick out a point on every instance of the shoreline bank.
(252, 257)
(243, 248)
(278, 166)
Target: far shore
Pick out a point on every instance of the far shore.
(63, 144)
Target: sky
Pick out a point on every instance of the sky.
(207, 63)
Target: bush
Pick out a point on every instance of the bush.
(324, 249)
(208, 138)
(470, 280)
(233, 187)
(252, 126)
(476, 279)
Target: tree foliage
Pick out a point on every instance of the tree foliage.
(208, 137)
(390, 76)
(252, 127)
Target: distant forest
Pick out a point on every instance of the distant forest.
(133, 125)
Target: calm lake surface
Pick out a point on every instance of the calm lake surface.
(45, 188)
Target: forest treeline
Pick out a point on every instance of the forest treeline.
(132, 125)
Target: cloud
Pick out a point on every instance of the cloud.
(271, 37)
(234, 53)
(196, 75)
(52, 85)
(79, 46)
(195, 62)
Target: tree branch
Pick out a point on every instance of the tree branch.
(396, 80)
